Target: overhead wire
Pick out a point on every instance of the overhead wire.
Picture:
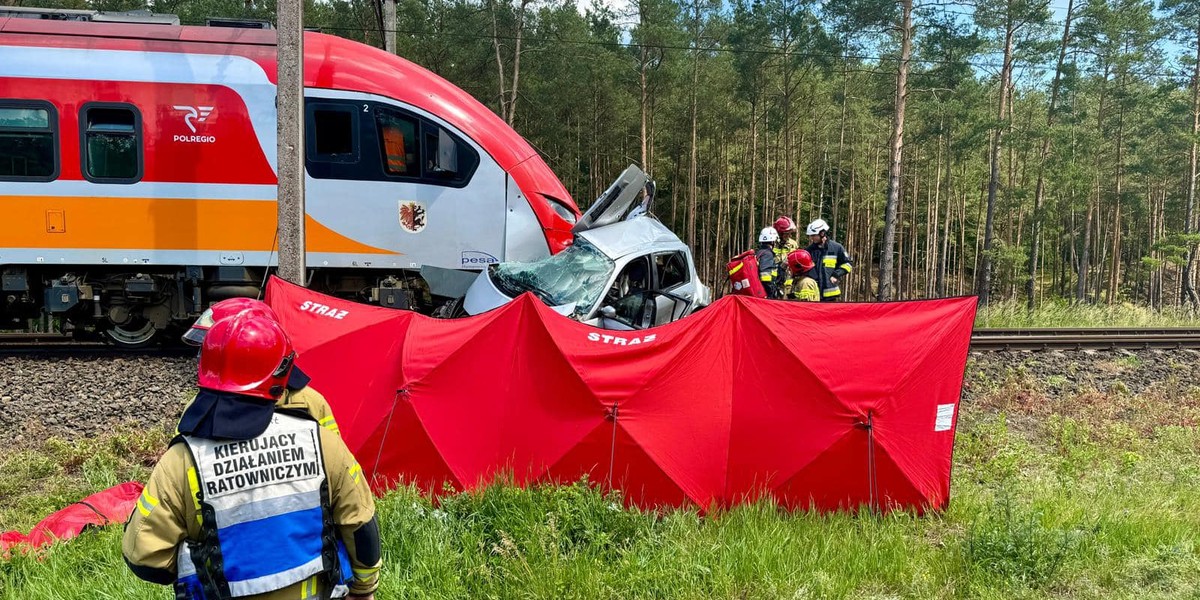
(716, 46)
(770, 51)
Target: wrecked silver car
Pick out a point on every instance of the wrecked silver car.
(624, 271)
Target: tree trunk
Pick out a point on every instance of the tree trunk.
(1084, 250)
(499, 60)
(1114, 273)
(693, 201)
(751, 222)
(837, 170)
(985, 278)
(1188, 291)
(1040, 191)
(645, 101)
(896, 155)
(516, 69)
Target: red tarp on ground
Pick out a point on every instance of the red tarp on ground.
(824, 406)
(102, 508)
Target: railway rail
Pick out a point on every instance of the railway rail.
(982, 340)
(1082, 338)
(59, 344)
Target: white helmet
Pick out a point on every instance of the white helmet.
(768, 235)
(816, 227)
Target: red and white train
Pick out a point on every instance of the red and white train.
(137, 174)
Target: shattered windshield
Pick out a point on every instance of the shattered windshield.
(575, 275)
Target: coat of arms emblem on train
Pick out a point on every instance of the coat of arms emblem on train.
(412, 216)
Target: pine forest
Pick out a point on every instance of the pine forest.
(1028, 151)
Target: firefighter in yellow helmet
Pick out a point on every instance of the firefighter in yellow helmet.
(251, 501)
(299, 394)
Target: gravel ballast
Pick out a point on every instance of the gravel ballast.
(69, 396)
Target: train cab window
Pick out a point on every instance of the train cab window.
(28, 141)
(398, 144)
(112, 143)
(372, 141)
(334, 136)
(447, 159)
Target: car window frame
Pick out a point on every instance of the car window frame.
(658, 276)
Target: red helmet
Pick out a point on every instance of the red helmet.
(223, 310)
(800, 261)
(246, 354)
(785, 224)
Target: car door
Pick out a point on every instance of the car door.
(673, 277)
(635, 276)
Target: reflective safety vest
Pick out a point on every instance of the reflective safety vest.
(782, 249)
(806, 290)
(265, 521)
(393, 146)
(832, 261)
(768, 271)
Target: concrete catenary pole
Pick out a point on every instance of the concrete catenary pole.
(289, 105)
(389, 26)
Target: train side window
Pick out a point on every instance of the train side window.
(334, 133)
(28, 141)
(448, 159)
(398, 144)
(112, 143)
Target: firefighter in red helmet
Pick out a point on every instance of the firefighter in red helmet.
(786, 228)
(212, 520)
(299, 394)
(804, 287)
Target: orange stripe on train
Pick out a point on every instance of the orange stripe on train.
(156, 224)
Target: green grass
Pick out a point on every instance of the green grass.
(1062, 314)
(1091, 496)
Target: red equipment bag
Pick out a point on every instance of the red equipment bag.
(743, 275)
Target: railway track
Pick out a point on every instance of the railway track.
(58, 344)
(1080, 338)
(982, 340)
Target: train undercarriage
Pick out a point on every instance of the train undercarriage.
(136, 308)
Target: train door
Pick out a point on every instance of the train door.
(397, 179)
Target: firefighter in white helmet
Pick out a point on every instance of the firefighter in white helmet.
(768, 268)
(833, 262)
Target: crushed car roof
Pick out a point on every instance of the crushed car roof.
(635, 235)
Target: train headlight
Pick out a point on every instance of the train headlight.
(562, 209)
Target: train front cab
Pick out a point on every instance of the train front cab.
(394, 186)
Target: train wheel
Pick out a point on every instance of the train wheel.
(136, 333)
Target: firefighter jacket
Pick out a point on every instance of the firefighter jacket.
(768, 271)
(281, 515)
(805, 290)
(310, 401)
(832, 262)
(782, 249)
